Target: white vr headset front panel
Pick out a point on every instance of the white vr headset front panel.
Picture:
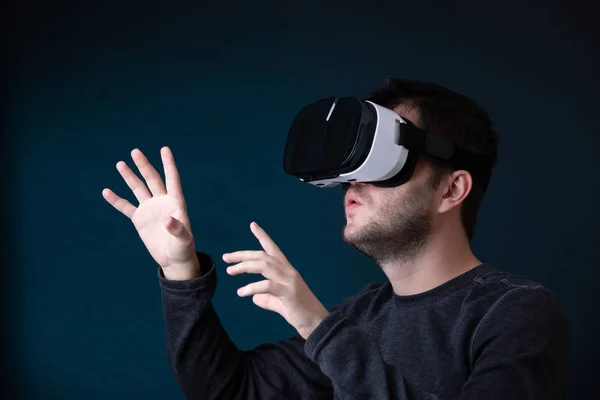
(386, 157)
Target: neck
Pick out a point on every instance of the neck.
(446, 255)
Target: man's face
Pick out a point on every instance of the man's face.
(390, 224)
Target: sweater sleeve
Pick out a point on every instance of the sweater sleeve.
(351, 357)
(520, 351)
(208, 365)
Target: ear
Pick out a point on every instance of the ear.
(455, 189)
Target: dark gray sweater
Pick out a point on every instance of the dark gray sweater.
(484, 335)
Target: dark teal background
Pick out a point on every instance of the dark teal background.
(86, 82)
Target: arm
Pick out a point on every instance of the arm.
(208, 365)
(352, 359)
(520, 351)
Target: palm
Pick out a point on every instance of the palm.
(157, 203)
(149, 222)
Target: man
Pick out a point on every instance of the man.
(445, 325)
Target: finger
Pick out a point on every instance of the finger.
(153, 179)
(177, 229)
(265, 286)
(136, 185)
(268, 270)
(245, 255)
(268, 302)
(266, 242)
(120, 204)
(172, 179)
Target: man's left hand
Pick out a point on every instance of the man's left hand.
(284, 291)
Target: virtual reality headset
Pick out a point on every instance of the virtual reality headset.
(339, 140)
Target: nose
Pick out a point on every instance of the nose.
(358, 186)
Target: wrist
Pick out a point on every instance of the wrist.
(317, 319)
(182, 272)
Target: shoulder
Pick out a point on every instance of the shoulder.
(518, 311)
(520, 302)
(500, 289)
(518, 337)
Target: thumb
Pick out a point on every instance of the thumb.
(176, 228)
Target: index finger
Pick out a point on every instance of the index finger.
(172, 179)
(266, 242)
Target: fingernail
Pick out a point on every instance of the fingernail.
(241, 291)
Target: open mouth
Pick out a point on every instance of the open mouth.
(351, 201)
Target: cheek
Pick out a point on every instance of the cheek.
(401, 201)
(388, 197)
(376, 195)
(422, 200)
(386, 201)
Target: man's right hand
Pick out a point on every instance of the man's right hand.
(161, 217)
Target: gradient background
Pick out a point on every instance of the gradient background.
(86, 82)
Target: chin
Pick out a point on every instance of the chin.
(351, 230)
(351, 225)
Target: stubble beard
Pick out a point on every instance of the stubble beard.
(399, 230)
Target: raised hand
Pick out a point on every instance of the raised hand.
(161, 217)
(283, 291)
